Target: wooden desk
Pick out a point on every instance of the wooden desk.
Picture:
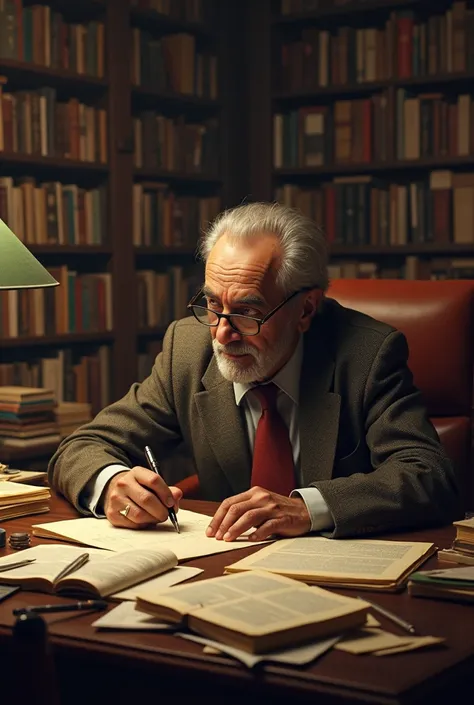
(139, 667)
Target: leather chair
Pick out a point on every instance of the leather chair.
(437, 319)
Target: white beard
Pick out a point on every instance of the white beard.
(261, 367)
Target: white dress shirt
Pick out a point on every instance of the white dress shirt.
(288, 381)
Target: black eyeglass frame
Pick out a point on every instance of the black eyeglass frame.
(228, 316)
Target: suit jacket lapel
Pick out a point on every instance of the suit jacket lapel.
(318, 407)
(224, 427)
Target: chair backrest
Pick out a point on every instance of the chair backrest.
(436, 318)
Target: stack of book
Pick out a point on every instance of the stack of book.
(27, 417)
(18, 500)
(70, 415)
(455, 584)
(462, 550)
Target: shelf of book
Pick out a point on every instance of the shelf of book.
(39, 163)
(63, 250)
(37, 75)
(362, 120)
(144, 250)
(327, 9)
(57, 340)
(177, 102)
(408, 165)
(176, 178)
(165, 24)
(86, 237)
(310, 97)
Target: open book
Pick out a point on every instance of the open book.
(256, 612)
(104, 574)
(361, 563)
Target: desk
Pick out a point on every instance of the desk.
(138, 668)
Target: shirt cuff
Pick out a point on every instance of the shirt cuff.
(321, 517)
(93, 491)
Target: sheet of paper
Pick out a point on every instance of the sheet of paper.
(297, 656)
(159, 583)
(125, 616)
(381, 643)
(416, 642)
(365, 641)
(190, 543)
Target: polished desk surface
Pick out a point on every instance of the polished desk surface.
(146, 658)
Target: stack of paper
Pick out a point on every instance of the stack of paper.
(17, 500)
(361, 563)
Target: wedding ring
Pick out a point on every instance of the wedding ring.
(124, 512)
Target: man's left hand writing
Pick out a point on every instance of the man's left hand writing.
(268, 512)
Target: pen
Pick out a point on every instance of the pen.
(389, 615)
(73, 607)
(71, 567)
(18, 564)
(153, 463)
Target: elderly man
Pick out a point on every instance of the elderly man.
(300, 415)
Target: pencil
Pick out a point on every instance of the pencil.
(389, 615)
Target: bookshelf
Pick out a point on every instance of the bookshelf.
(73, 198)
(363, 120)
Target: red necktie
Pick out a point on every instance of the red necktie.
(272, 466)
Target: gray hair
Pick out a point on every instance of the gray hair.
(305, 251)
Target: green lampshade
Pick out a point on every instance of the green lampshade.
(19, 269)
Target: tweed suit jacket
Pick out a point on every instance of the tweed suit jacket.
(366, 441)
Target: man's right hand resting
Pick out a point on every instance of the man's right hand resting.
(145, 493)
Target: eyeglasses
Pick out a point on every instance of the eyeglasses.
(245, 325)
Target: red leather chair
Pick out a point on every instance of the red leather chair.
(437, 320)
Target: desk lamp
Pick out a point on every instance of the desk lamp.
(19, 269)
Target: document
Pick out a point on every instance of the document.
(125, 616)
(190, 543)
(296, 656)
(362, 563)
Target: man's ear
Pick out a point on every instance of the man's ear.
(310, 308)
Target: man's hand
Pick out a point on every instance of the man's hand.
(147, 494)
(268, 512)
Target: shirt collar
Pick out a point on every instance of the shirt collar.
(287, 379)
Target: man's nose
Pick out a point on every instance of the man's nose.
(225, 333)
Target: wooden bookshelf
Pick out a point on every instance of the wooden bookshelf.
(55, 340)
(294, 65)
(116, 255)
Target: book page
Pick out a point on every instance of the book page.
(279, 610)
(119, 570)
(296, 656)
(49, 561)
(254, 602)
(190, 543)
(347, 559)
(158, 583)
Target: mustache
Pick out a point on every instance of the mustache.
(237, 348)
